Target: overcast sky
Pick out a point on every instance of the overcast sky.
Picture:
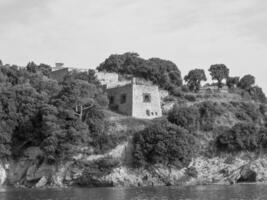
(191, 33)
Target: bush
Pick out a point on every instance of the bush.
(185, 88)
(208, 112)
(186, 117)
(106, 164)
(246, 82)
(242, 137)
(94, 170)
(257, 94)
(163, 143)
(169, 98)
(248, 112)
(190, 97)
(192, 172)
(177, 92)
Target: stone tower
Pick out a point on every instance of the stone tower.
(136, 99)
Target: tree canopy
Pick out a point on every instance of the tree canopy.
(246, 82)
(161, 72)
(194, 79)
(38, 111)
(163, 143)
(232, 82)
(219, 72)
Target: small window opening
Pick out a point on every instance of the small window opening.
(147, 112)
(146, 98)
(156, 113)
(111, 100)
(123, 98)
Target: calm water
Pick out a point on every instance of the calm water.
(236, 192)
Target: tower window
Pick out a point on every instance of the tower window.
(123, 98)
(147, 112)
(146, 98)
(111, 99)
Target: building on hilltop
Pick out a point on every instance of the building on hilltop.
(59, 72)
(136, 99)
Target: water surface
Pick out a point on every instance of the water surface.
(212, 192)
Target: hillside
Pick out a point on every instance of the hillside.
(62, 133)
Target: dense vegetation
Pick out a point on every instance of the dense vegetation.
(243, 136)
(56, 116)
(163, 143)
(161, 72)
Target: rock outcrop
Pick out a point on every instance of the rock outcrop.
(30, 171)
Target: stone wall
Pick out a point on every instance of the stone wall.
(59, 74)
(146, 110)
(107, 79)
(116, 93)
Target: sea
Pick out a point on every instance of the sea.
(206, 192)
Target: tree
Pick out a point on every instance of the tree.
(257, 94)
(185, 117)
(161, 72)
(194, 79)
(164, 143)
(219, 72)
(232, 82)
(242, 136)
(246, 82)
(42, 68)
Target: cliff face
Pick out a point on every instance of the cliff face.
(217, 170)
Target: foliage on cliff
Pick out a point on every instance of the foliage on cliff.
(242, 136)
(38, 111)
(163, 143)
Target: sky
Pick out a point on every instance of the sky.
(191, 33)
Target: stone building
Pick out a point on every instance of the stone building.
(59, 72)
(136, 99)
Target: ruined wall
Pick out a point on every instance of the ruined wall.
(107, 78)
(116, 93)
(59, 74)
(146, 110)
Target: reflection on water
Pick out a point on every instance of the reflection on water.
(213, 192)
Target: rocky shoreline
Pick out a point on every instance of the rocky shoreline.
(225, 170)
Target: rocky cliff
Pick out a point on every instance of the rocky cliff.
(226, 169)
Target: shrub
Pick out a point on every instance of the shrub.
(257, 94)
(186, 117)
(163, 143)
(242, 137)
(106, 164)
(246, 82)
(185, 88)
(177, 92)
(192, 172)
(169, 98)
(190, 98)
(248, 112)
(208, 111)
(94, 170)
